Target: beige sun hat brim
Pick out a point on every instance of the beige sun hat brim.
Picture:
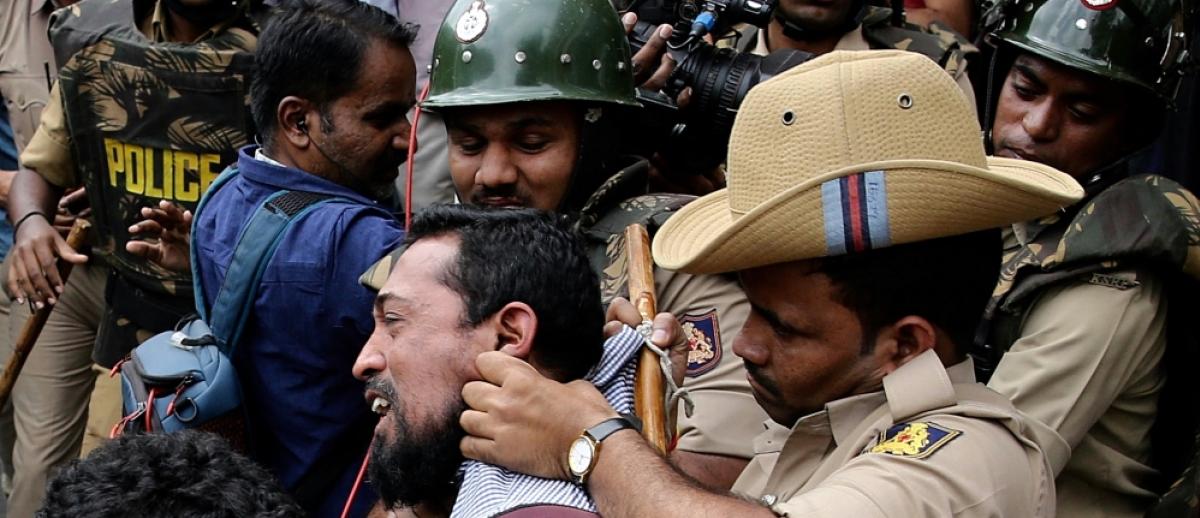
(926, 199)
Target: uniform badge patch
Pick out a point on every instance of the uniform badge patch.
(915, 440)
(1099, 5)
(472, 23)
(704, 342)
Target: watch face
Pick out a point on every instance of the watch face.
(580, 456)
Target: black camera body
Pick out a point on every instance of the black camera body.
(695, 139)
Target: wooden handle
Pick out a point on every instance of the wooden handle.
(648, 392)
(34, 324)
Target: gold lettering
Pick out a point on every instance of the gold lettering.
(135, 176)
(210, 168)
(186, 163)
(168, 173)
(153, 191)
(116, 159)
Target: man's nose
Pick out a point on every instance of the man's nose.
(1041, 122)
(750, 349)
(370, 361)
(401, 139)
(496, 169)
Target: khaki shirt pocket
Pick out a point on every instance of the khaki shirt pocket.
(24, 97)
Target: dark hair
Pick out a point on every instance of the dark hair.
(529, 256)
(947, 281)
(187, 473)
(313, 49)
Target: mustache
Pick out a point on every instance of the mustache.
(766, 383)
(380, 386)
(500, 191)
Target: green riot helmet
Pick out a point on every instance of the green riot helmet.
(504, 51)
(1140, 42)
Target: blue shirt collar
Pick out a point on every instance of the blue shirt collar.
(289, 178)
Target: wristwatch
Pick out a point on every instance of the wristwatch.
(585, 451)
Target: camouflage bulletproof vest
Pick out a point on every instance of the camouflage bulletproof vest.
(948, 48)
(622, 201)
(1145, 223)
(149, 121)
(1139, 222)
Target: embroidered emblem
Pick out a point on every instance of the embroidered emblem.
(472, 23)
(704, 342)
(1113, 281)
(856, 213)
(1099, 5)
(916, 440)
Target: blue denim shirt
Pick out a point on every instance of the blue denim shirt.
(8, 162)
(310, 319)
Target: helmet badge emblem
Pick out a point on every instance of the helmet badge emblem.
(472, 24)
(1099, 5)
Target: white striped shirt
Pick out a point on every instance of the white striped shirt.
(488, 490)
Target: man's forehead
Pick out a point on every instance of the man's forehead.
(423, 260)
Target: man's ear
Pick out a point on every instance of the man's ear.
(516, 326)
(291, 120)
(902, 341)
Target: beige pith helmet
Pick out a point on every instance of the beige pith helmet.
(850, 152)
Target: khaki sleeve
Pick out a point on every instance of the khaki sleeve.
(1081, 345)
(49, 151)
(984, 471)
(726, 417)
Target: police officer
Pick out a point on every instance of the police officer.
(865, 299)
(533, 100)
(149, 105)
(1089, 300)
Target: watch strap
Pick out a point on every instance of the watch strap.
(611, 425)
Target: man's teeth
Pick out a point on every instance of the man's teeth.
(380, 406)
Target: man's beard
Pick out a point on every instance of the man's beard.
(416, 467)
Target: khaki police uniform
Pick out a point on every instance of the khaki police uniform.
(931, 443)
(711, 309)
(1082, 316)
(26, 70)
(51, 398)
(26, 64)
(1087, 364)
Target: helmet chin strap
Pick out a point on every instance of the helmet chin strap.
(594, 151)
(795, 31)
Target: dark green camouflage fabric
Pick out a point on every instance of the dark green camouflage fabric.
(948, 48)
(622, 201)
(148, 121)
(1141, 223)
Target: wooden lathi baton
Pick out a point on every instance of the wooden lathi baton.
(648, 400)
(36, 321)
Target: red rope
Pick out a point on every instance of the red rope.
(412, 152)
(150, 409)
(357, 483)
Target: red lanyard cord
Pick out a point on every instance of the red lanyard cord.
(412, 153)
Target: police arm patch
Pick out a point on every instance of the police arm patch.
(914, 440)
(704, 342)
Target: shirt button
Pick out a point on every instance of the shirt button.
(768, 500)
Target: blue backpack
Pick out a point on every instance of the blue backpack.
(183, 379)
